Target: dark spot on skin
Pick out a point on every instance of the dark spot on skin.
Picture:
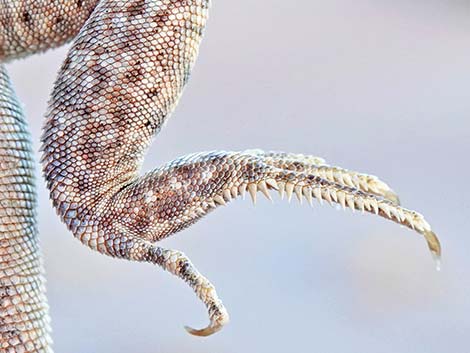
(82, 185)
(152, 92)
(79, 3)
(151, 125)
(135, 74)
(184, 267)
(5, 291)
(11, 332)
(27, 18)
(66, 64)
(142, 222)
(161, 17)
(136, 8)
(58, 20)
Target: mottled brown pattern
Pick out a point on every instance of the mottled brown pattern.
(32, 26)
(120, 82)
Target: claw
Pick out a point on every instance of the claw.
(209, 330)
(218, 321)
(434, 246)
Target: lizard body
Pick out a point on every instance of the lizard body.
(122, 78)
(24, 320)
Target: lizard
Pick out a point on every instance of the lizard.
(123, 76)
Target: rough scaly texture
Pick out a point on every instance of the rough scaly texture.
(32, 26)
(24, 320)
(120, 82)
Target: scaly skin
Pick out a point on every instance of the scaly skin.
(24, 320)
(120, 82)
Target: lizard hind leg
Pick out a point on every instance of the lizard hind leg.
(175, 196)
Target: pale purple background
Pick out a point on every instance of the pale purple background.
(377, 86)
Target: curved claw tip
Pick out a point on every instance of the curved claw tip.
(435, 247)
(203, 332)
(433, 242)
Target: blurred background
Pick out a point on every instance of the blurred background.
(376, 86)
